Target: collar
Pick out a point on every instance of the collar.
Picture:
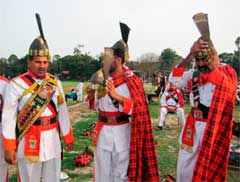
(35, 77)
(117, 75)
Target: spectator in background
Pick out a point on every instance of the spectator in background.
(171, 101)
(80, 91)
(72, 95)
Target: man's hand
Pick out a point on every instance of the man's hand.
(171, 109)
(69, 147)
(199, 45)
(112, 91)
(10, 156)
(215, 61)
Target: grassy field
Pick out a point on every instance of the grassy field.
(167, 151)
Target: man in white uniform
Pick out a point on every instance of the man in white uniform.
(34, 116)
(120, 145)
(3, 164)
(171, 101)
(80, 91)
(207, 80)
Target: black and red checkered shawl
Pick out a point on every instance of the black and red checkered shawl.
(143, 160)
(212, 161)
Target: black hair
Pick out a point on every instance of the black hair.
(119, 53)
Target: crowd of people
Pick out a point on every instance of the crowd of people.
(34, 117)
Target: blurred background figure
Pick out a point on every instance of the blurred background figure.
(72, 95)
(171, 101)
(80, 91)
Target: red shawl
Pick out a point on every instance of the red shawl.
(212, 161)
(143, 165)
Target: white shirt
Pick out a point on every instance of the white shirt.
(3, 86)
(205, 91)
(118, 136)
(50, 146)
(80, 86)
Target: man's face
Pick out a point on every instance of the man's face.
(113, 65)
(38, 66)
(202, 66)
(202, 63)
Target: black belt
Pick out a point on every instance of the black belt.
(45, 121)
(203, 109)
(113, 119)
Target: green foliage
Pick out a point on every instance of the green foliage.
(13, 66)
(79, 66)
(232, 59)
(168, 59)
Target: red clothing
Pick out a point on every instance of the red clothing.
(213, 154)
(176, 92)
(212, 161)
(143, 161)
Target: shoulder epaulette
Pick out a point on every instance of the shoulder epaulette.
(20, 76)
(4, 79)
(18, 84)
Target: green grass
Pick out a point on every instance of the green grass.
(81, 142)
(166, 153)
(72, 83)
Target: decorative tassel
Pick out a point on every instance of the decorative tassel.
(60, 99)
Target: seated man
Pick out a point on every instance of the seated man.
(72, 95)
(171, 101)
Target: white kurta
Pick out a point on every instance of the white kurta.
(80, 91)
(50, 146)
(3, 164)
(186, 161)
(170, 102)
(112, 153)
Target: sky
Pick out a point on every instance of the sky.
(155, 25)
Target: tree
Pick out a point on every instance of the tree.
(147, 64)
(3, 66)
(77, 50)
(233, 59)
(237, 42)
(226, 57)
(168, 59)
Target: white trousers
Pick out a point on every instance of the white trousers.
(48, 171)
(80, 96)
(164, 111)
(111, 166)
(3, 163)
(186, 161)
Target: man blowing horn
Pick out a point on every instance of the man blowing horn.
(205, 138)
(123, 133)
